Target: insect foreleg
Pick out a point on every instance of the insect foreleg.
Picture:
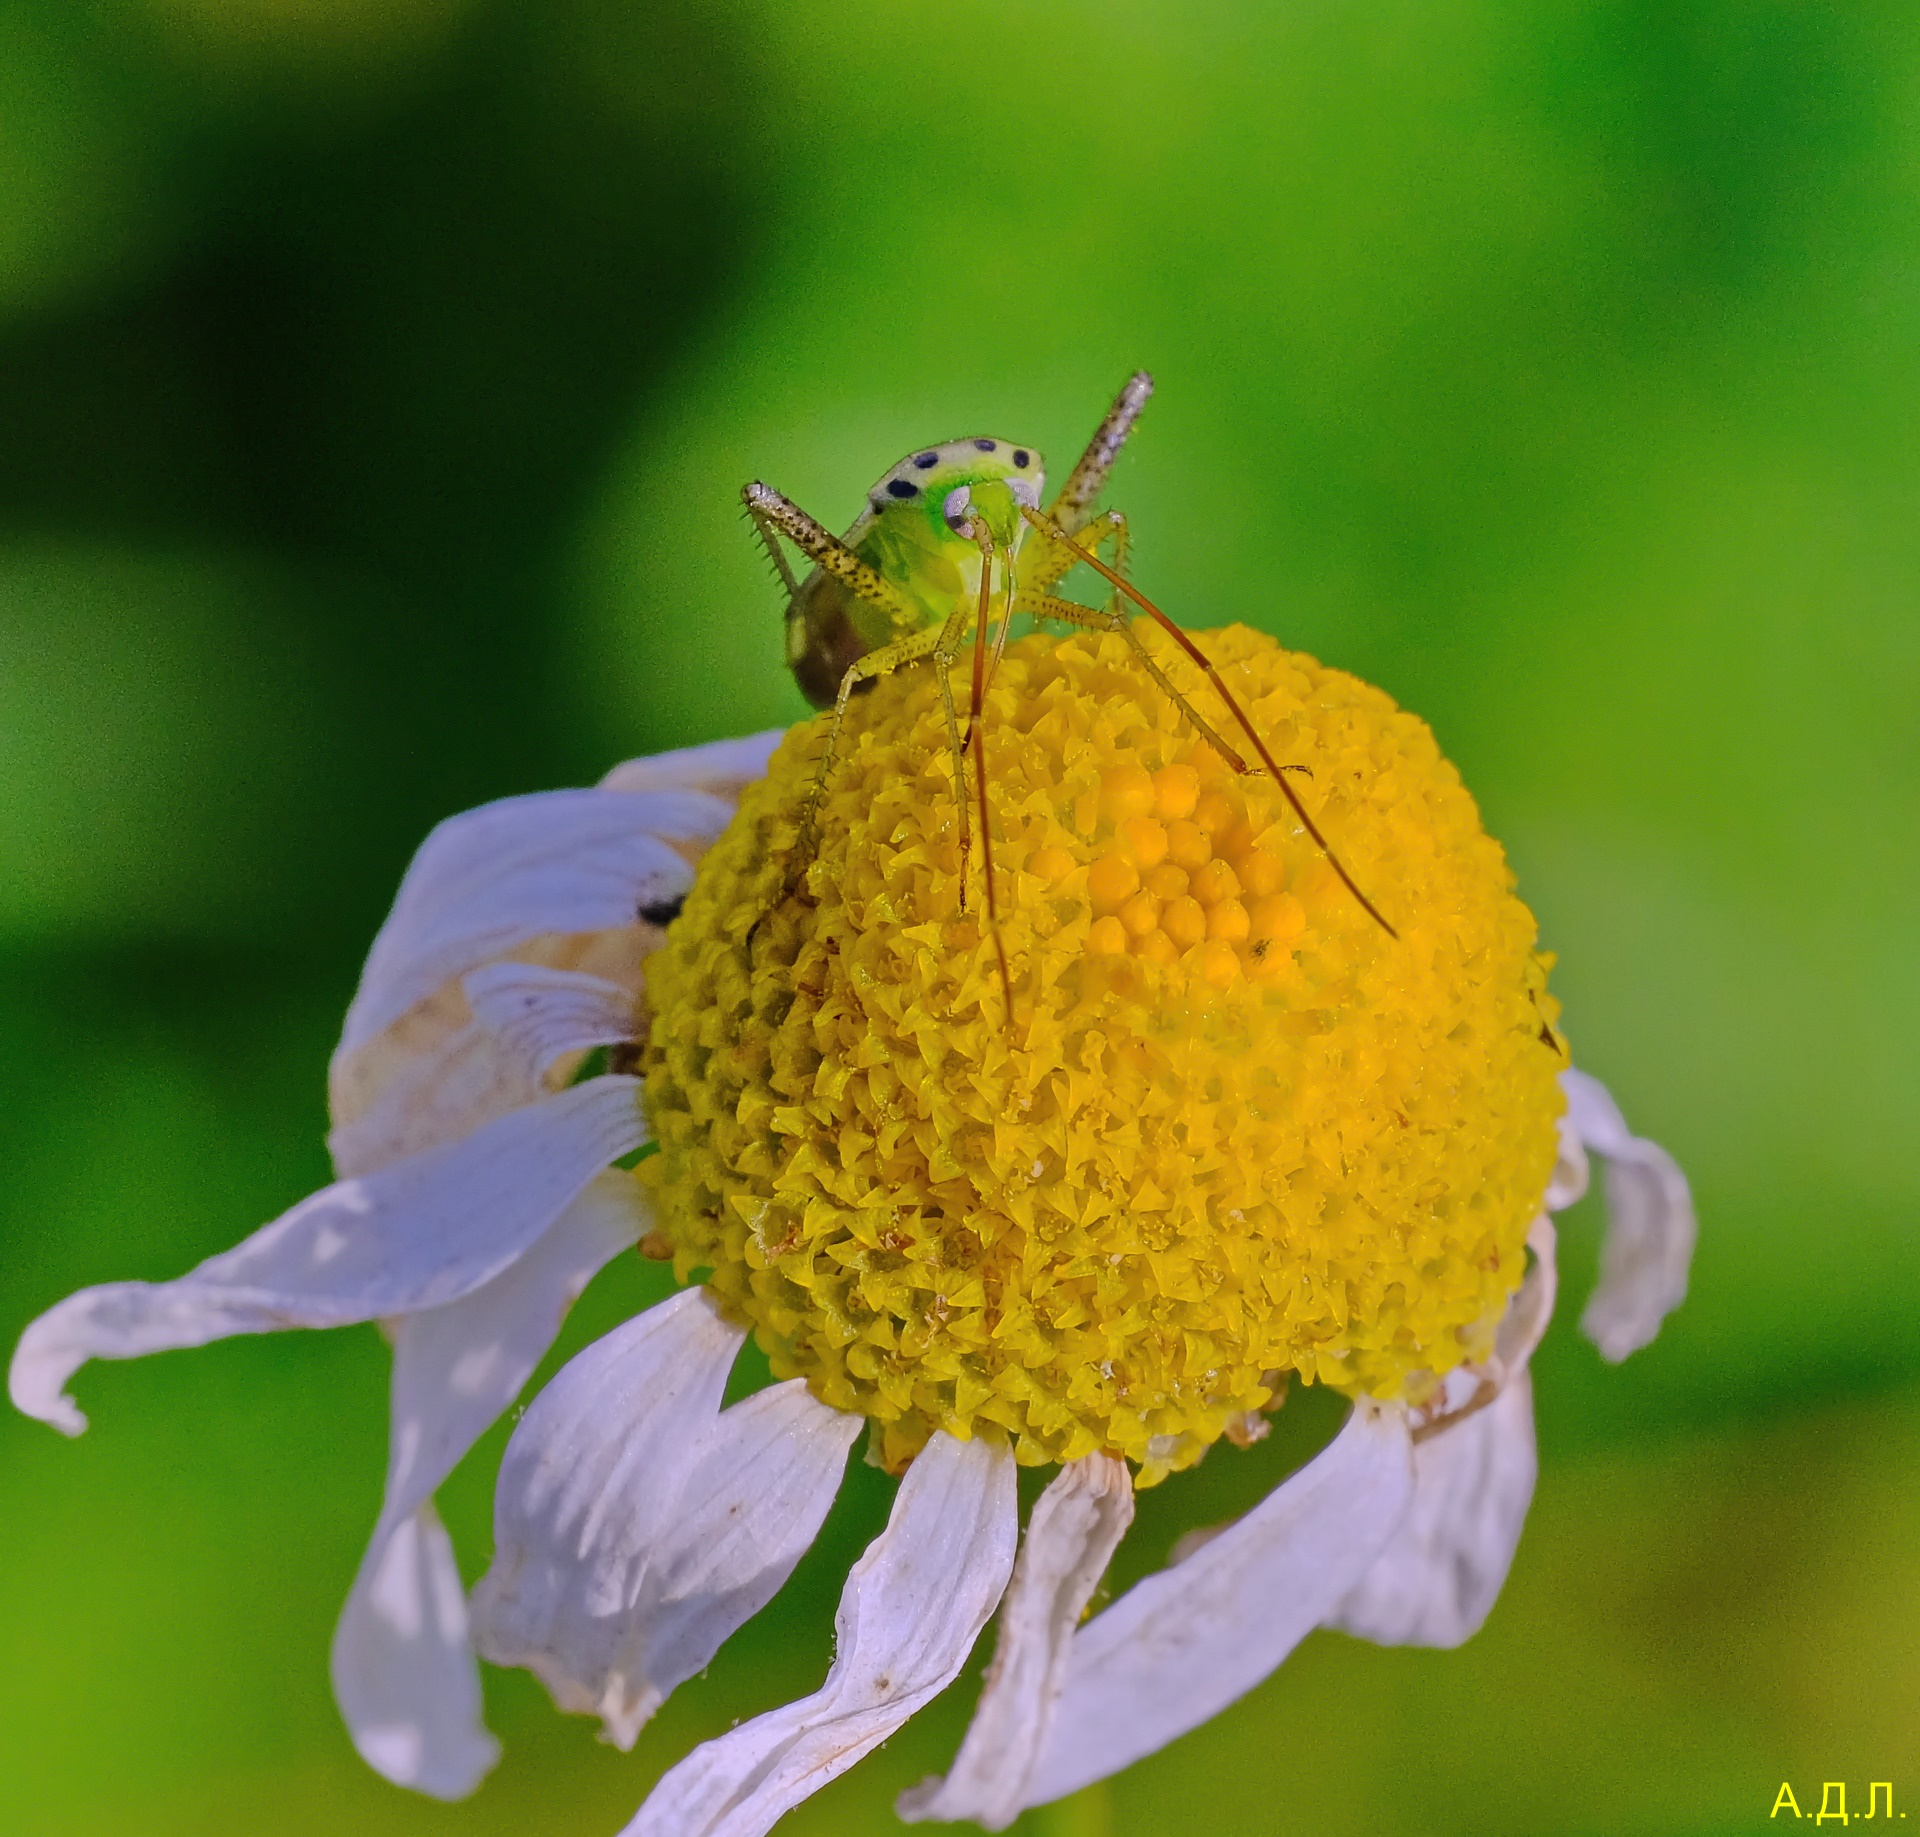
(882, 662)
(820, 545)
(764, 529)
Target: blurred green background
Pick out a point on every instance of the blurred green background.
(376, 380)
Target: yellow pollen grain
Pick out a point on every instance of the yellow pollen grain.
(1145, 841)
(1214, 882)
(1111, 882)
(1176, 789)
(1184, 921)
(1197, 1159)
(1187, 845)
(1140, 914)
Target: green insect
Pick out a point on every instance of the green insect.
(916, 576)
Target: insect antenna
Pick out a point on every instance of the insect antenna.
(1226, 695)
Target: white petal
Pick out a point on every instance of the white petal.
(913, 1606)
(411, 1698)
(1570, 1173)
(587, 1491)
(724, 1511)
(402, 1667)
(1180, 1646)
(493, 878)
(723, 767)
(418, 1234)
(769, 1469)
(1077, 1524)
(538, 1015)
(1436, 1581)
(1648, 1247)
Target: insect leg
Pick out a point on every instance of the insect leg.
(882, 662)
(763, 527)
(977, 740)
(1239, 714)
(1046, 561)
(769, 509)
(1097, 618)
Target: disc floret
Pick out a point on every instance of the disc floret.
(1232, 1129)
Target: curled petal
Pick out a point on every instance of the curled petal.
(1077, 1524)
(539, 1015)
(405, 1679)
(913, 1606)
(415, 1235)
(1179, 1647)
(1648, 1248)
(493, 878)
(1436, 1581)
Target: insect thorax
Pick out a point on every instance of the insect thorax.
(914, 534)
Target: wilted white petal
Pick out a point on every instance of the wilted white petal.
(723, 767)
(492, 878)
(538, 1015)
(1648, 1247)
(587, 1492)
(415, 1094)
(1436, 1581)
(1570, 1174)
(402, 1667)
(913, 1606)
(1077, 1524)
(768, 1471)
(411, 1696)
(418, 1234)
(1179, 1647)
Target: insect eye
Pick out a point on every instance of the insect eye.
(959, 502)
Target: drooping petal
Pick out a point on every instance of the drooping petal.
(1436, 1581)
(402, 1668)
(418, 1234)
(538, 1015)
(1648, 1248)
(768, 1470)
(722, 768)
(492, 878)
(687, 1549)
(913, 1606)
(1077, 1524)
(1180, 1646)
(407, 1687)
(587, 1490)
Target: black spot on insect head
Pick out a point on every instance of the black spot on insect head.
(662, 911)
(903, 488)
(986, 446)
(1022, 457)
(927, 461)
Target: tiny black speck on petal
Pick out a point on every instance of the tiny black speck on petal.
(986, 446)
(1022, 457)
(903, 487)
(927, 461)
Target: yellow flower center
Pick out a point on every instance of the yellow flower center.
(1231, 1130)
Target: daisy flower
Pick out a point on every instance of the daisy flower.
(1228, 1133)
